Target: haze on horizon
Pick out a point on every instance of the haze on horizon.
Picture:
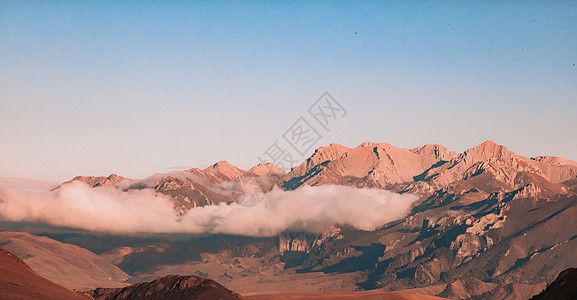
(134, 88)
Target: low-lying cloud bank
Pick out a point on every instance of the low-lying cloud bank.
(309, 209)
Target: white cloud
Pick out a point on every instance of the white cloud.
(310, 209)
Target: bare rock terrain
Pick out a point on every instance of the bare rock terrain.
(489, 224)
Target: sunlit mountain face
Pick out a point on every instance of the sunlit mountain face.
(481, 223)
(288, 150)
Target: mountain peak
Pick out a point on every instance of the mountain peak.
(489, 142)
(114, 177)
(488, 150)
(489, 145)
(266, 170)
(321, 154)
(97, 181)
(368, 144)
(332, 148)
(333, 151)
(222, 164)
(226, 170)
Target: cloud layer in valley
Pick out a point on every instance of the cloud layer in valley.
(309, 209)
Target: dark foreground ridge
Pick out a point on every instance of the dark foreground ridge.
(169, 287)
(18, 281)
(564, 287)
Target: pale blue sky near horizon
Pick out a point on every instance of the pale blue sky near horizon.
(139, 87)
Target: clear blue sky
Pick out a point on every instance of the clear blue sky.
(135, 87)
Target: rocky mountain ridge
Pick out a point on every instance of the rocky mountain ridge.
(423, 171)
(489, 223)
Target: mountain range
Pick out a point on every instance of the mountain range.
(488, 223)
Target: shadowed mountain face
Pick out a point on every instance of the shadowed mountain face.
(489, 224)
(563, 288)
(18, 281)
(169, 287)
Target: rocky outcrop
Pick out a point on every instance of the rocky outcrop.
(227, 172)
(294, 242)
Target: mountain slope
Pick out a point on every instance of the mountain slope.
(67, 265)
(18, 281)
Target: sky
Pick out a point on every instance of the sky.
(140, 87)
